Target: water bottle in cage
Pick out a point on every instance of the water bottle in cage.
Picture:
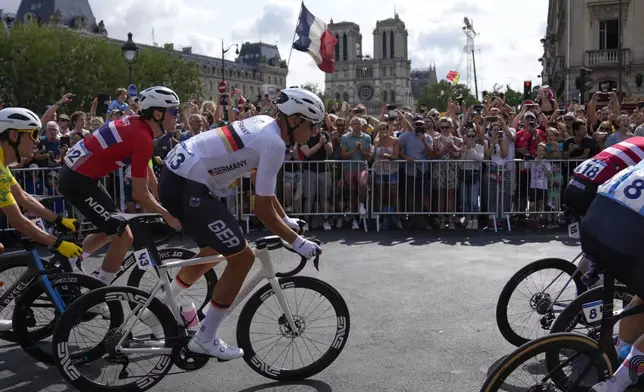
(190, 317)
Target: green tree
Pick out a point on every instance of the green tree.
(39, 63)
(315, 89)
(437, 95)
(512, 97)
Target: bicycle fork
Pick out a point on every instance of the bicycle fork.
(277, 289)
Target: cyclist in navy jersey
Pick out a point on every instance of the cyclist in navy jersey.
(128, 141)
(611, 236)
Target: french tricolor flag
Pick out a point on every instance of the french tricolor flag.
(315, 39)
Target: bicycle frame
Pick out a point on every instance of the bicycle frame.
(577, 270)
(28, 278)
(266, 271)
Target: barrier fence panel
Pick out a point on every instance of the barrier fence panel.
(537, 189)
(44, 182)
(333, 192)
(432, 192)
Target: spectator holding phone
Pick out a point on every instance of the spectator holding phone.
(120, 102)
(78, 123)
(622, 133)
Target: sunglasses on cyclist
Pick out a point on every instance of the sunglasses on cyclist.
(174, 112)
(33, 133)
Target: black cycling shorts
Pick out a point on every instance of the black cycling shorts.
(90, 198)
(203, 216)
(579, 194)
(612, 236)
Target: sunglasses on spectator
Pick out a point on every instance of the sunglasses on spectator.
(604, 129)
(471, 136)
(445, 127)
(33, 133)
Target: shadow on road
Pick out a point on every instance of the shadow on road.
(292, 386)
(20, 373)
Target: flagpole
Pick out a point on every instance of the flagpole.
(288, 63)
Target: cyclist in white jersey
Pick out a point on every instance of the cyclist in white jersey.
(198, 172)
(612, 236)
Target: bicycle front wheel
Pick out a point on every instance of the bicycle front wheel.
(584, 358)
(534, 296)
(30, 329)
(322, 321)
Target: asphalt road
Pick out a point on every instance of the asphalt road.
(422, 316)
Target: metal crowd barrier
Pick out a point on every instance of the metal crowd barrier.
(44, 182)
(443, 190)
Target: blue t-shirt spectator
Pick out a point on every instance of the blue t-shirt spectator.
(413, 147)
(349, 141)
(51, 146)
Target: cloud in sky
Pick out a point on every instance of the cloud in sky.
(507, 47)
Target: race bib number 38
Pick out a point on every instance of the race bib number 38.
(628, 190)
(76, 155)
(590, 168)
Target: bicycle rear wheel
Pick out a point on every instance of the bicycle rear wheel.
(540, 307)
(80, 371)
(309, 317)
(581, 351)
(35, 301)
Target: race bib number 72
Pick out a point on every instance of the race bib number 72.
(590, 168)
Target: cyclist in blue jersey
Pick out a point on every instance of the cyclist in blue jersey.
(611, 236)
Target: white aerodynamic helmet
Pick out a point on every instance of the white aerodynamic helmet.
(18, 118)
(300, 101)
(158, 97)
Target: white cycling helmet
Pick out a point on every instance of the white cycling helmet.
(300, 101)
(18, 118)
(158, 97)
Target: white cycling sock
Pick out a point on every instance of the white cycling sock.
(627, 373)
(208, 330)
(106, 277)
(177, 286)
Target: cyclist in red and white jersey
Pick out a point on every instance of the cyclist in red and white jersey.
(128, 141)
(199, 170)
(593, 172)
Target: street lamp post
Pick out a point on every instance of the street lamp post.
(130, 52)
(222, 97)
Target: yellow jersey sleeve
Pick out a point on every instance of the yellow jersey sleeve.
(6, 182)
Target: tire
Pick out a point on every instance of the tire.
(68, 285)
(545, 344)
(573, 314)
(69, 365)
(20, 261)
(250, 309)
(137, 274)
(512, 336)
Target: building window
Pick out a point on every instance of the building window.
(346, 73)
(384, 44)
(384, 96)
(345, 97)
(337, 48)
(391, 45)
(393, 96)
(337, 96)
(608, 34)
(210, 85)
(344, 47)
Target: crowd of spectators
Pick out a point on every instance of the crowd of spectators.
(473, 167)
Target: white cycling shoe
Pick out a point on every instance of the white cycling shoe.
(5, 325)
(217, 348)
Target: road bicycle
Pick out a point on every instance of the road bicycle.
(289, 320)
(544, 304)
(591, 359)
(58, 287)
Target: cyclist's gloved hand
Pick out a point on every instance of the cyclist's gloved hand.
(306, 248)
(67, 249)
(294, 223)
(67, 223)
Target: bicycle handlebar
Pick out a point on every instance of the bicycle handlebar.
(274, 242)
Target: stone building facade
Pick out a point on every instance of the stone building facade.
(384, 77)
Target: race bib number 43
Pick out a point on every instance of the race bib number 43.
(76, 155)
(590, 168)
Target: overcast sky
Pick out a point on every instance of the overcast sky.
(507, 46)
